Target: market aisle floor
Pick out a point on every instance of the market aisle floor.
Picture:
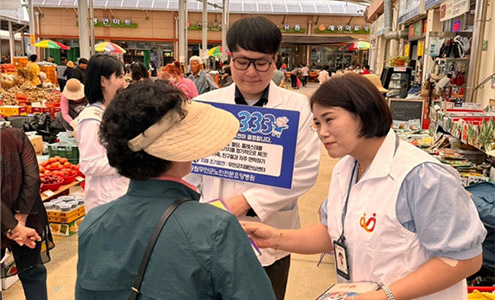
(306, 280)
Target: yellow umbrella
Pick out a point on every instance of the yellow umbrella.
(108, 47)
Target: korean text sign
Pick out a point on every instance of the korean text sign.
(263, 151)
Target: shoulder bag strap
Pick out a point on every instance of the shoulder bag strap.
(151, 244)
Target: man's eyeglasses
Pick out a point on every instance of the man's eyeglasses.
(261, 65)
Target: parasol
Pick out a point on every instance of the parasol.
(355, 46)
(108, 47)
(216, 51)
(51, 45)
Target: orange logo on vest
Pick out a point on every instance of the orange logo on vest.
(368, 225)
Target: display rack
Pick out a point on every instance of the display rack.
(399, 85)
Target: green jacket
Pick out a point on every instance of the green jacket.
(202, 252)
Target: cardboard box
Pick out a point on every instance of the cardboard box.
(57, 216)
(9, 281)
(66, 229)
(7, 265)
(37, 142)
(13, 110)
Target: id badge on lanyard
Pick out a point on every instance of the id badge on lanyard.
(340, 250)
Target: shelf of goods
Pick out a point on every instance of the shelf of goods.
(472, 127)
(474, 133)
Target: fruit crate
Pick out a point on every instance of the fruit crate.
(69, 152)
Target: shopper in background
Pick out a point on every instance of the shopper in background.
(103, 183)
(79, 72)
(61, 76)
(375, 79)
(294, 77)
(70, 69)
(304, 75)
(254, 43)
(366, 70)
(138, 72)
(24, 219)
(409, 224)
(152, 134)
(324, 75)
(173, 75)
(72, 102)
(203, 81)
(279, 78)
(153, 69)
(34, 71)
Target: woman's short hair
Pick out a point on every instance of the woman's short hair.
(133, 110)
(138, 71)
(173, 68)
(358, 96)
(99, 65)
(254, 34)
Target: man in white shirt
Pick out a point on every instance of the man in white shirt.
(254, 43)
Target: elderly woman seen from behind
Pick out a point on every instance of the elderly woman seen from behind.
(409, 224)
(152, 134)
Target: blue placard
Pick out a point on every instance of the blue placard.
(263, 151)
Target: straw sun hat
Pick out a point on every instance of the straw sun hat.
(204, 131)
(74, 89)
(377, 82)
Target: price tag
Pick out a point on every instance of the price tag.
(79, 178)
(49, 193)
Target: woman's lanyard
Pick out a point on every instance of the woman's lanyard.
(344, 212)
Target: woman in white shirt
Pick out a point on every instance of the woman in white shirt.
(105, 76)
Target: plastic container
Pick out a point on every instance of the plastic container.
(65, 207)
(53, 186)
(48, 205)
(69, 152)
(69, 179)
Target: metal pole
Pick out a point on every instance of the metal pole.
(91, 28)
(11, 43)
(474, 58)
(32, 35)
(204, 48)
(225, 27)
(182, 31)
(83, 29)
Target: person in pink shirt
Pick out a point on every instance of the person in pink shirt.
(173, 74)
(72, 101)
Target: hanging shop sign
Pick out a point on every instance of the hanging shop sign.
(342, 29)
(453, 8)
(431, 3)
(406, 50)
(380, 25)
(287, 28)
(409, 9)
(416, 30)
(199, 26)
(421, 48)
(263, 151)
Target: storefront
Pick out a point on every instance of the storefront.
(153, 34)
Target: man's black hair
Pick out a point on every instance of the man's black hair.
(254, 34)
(33, 57)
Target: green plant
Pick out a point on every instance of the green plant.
(399, 61)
